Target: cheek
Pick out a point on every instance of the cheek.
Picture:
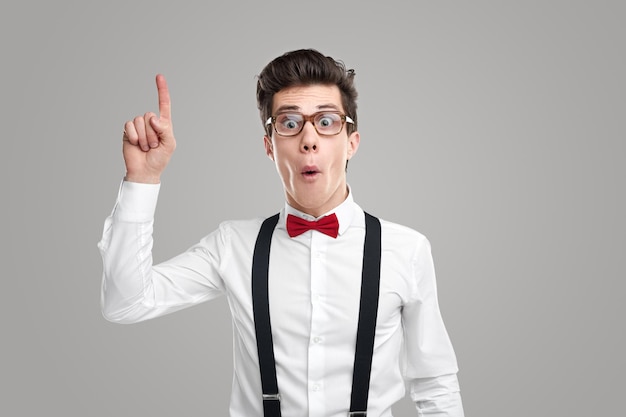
(342, 154)
(281, 159)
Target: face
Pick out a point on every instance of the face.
(311, 166)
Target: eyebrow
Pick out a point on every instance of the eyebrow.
(286, 108)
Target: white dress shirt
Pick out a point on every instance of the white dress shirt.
(314, 293)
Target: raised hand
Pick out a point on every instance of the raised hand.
(148, 140)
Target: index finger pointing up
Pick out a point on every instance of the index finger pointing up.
(164, 98)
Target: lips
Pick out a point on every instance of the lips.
(310, 170)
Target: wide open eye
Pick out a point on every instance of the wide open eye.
(328, 122)
(288, 123)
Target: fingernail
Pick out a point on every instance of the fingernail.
(154, 144)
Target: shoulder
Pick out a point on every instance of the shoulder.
(395, 235)
(240, 229)
(232, 239)
(397, 232)
(403, 239)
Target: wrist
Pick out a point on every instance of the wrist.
(142, 179)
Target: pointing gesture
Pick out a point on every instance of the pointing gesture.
(148, 141)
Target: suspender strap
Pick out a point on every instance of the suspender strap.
(370, 283)
(261, 309)
(370, 286)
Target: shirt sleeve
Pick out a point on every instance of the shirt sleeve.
(437, 397)
(133, 289)
(428, 349)
(430, 364)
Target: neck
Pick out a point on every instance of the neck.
(317, 210)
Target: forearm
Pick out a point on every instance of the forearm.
(126, 249)
(437, 396)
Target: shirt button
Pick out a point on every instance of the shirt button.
(317, 339)
(316, 387)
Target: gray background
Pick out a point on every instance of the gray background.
(495, 128)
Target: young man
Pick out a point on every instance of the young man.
(330, 318)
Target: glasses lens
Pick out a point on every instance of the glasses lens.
(328, 123)
(288, 124)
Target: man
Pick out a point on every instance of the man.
(298, 306)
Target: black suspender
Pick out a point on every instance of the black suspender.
(262, 325)
(367, 317)
(370, 283)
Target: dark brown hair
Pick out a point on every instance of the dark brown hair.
(305, 67)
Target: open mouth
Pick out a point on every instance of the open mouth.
(310, 171)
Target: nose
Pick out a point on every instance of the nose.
(309, 138)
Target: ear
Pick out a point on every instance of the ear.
(269, 148)
(353, 143)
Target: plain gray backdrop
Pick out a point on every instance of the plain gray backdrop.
(496, 128)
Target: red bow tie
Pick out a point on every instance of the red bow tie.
(328, 225)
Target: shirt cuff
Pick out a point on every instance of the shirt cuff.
(136, 202)
(437, 396)
(422, 389)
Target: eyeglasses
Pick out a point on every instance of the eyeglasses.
(325, 123)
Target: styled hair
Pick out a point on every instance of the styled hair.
(300, 68)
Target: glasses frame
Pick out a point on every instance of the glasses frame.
(309, 118)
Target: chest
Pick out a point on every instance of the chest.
(314, 287)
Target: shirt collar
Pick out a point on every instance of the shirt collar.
(344, 212)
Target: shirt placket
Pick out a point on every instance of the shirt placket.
(319, 316)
